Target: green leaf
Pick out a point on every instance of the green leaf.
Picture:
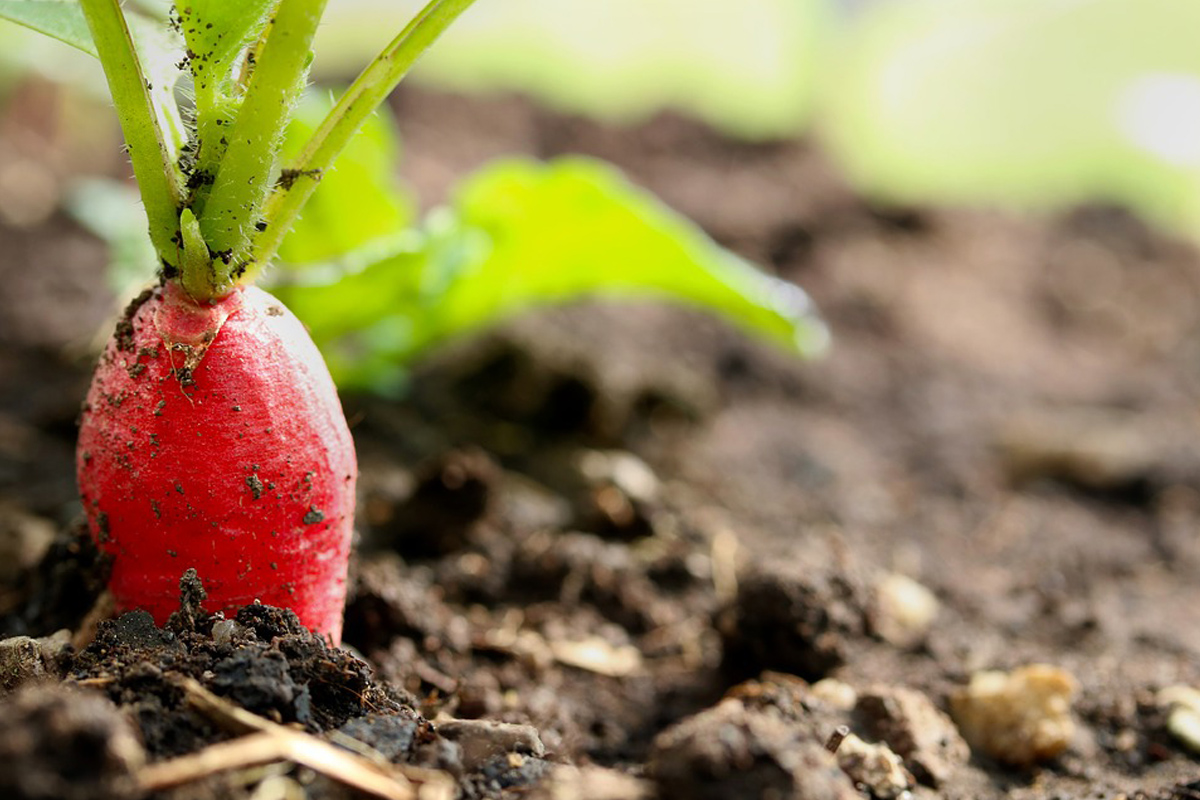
(60, 19)
(216, 33)
(524, 234)
(358, 200)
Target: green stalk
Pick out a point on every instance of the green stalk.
(367, 93)
(243, 180)
(195, 271)
(161, 193)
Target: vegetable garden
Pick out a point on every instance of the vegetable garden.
(612, 536)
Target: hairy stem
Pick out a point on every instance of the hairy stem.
(243, 180)
(161, 193)
(367, 92)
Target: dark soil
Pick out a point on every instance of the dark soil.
(642, 540)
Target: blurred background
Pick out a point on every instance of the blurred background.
(994, 203)
(1029, 103)
(1034, 103)
(997, 192)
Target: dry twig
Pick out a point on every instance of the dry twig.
(267, 742)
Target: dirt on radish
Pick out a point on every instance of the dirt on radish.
(630, 542)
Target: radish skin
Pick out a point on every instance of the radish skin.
(212, 438)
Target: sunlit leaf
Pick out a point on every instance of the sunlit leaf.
(524, 234)
(60, 19)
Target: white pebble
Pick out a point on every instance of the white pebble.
(1182, 704)
(904, 610)
(835, 693)
(873, 767)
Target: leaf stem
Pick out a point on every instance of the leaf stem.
(369, 90)
(161, 193)
(243, 180)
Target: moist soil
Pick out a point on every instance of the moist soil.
(622, 550)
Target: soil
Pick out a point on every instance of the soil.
(621, 550)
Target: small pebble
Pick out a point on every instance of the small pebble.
(1182, 704)
(597, 655)
(1020, 717)
(834, 693)
(623, 470)
(903, 611)
(25, 660)
(913, 727)
(20, 662)
(874, 767)
(590, 783)
(224, 630)
(482, 740)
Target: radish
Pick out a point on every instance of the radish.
(212, 437)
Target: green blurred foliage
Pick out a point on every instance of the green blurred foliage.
(747, 67)
(61, 21)
(112, 211)
(1038, 103)
(1032, 103)
(376, 291)
(522, 234)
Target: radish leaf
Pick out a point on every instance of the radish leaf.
(216, 34)
(61, 20)
(523, 234)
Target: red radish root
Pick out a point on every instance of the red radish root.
(213, 438)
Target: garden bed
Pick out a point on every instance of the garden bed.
(596, 522)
